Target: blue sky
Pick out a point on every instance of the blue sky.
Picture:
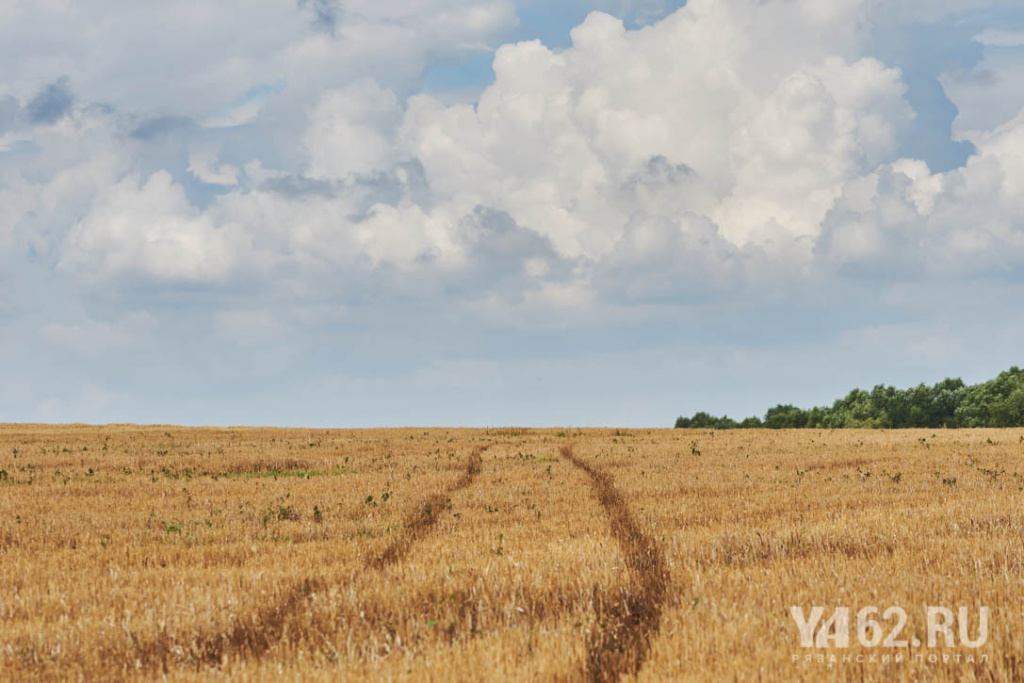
(489, 212)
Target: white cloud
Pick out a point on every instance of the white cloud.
(734, 146)
(204, 165)
(147, 228)
(239, 115)
(706, 151)
(352, 131)
(798, 146)
(770, 134)
(997, 38)
(199, 59)
(968, 222)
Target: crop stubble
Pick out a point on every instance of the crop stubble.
(461, 554)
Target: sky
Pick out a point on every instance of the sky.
(345, 213)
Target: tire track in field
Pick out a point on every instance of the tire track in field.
(252, 635)
(256, 634)
(627, 623)
(424, 516)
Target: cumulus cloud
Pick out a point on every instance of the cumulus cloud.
(968, 222)
(768, 134)
(148, 229)
(709, 151)
(352, 131)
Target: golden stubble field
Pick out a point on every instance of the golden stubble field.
(445, 554)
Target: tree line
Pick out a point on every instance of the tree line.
(949, 403)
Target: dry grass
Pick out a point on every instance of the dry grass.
(494, 554)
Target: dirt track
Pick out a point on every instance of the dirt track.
(425, 515)
(627, 622)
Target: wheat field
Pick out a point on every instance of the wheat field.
(453, 554)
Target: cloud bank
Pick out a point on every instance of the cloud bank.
(231, 208)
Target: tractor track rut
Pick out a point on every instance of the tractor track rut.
(424, 516)
(628, 622)
(256, 634)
